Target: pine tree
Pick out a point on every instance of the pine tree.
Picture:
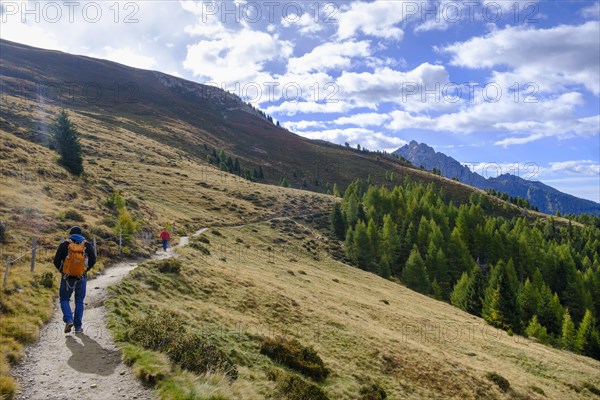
(373, 234)
(568, 332)
(390, 244)
(500, 307)
(65, 139)
(459, 259)
(586, 338)
(414, 274)
(363, 256)
(458, 297)
(337, 222)
(436, 290)
(536, 330)
(336, 190)
(528, 300)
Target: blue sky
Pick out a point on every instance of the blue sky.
(513, 84)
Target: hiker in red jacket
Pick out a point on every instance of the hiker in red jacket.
(164, 235)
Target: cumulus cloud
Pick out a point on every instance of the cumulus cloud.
(363, 120)
(370, 89)
(380, 18)
(565, 55)
(520, 123)
(306, 24)
(578, 167)
(126, 56)
(329, 56)
(236, 56)
(365, 137)
(591, 11)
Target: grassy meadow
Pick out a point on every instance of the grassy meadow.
(276, 280)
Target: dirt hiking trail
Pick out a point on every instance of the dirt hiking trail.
(84, 366)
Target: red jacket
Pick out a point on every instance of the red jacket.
(164, 235)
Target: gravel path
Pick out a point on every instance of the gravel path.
(84, 366)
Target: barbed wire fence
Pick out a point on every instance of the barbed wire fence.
(36, 251)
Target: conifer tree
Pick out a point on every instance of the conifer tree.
(586, 339)
(65, 139)
(414, 274)
(536, 330)
(568, 332)
(337, 222)
(500, 307)
(362, 245)
(336, 190)
(390, 244)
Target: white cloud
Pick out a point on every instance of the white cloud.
(329, 56)
(363, 120)
(379, 19)
(366, 138)
(308, 107)
(126, 56)
(236, 56)
(565, 54)
(521, 123)
(579, 167)
(370, 89)
(592, 11)
(306, 24)
(295, 126)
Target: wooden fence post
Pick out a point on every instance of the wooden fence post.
(6, 272)
(33, 252)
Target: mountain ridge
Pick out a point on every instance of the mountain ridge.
(548, 199)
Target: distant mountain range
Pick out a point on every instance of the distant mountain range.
(546, 198)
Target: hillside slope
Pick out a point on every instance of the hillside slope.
(182, 115)
(151, 152)
(275, 279)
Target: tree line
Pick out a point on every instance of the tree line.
(534, 278)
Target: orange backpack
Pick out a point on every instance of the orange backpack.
(74, 264)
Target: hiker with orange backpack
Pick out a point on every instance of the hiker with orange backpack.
(74, 258)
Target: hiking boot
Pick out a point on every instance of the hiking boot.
(68, 327)
(78, 330)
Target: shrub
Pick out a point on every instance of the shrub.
(592, 388)
(372, 392)
(72, 215)
(115, 202)
(499, 380)
(216, 232)
(293, 387)
(199, 247)
(191, 351)
(3, 238)
(167, 266)
(195, 353)
(47, 280)
(148, 366)
(202, 239)
(8, 387)
(294, 355)
(155, 331)
(125, 224)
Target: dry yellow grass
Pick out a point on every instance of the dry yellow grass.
(167, 186)
(364, 327)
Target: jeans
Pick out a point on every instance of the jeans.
(65, 297)
(165, 244)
